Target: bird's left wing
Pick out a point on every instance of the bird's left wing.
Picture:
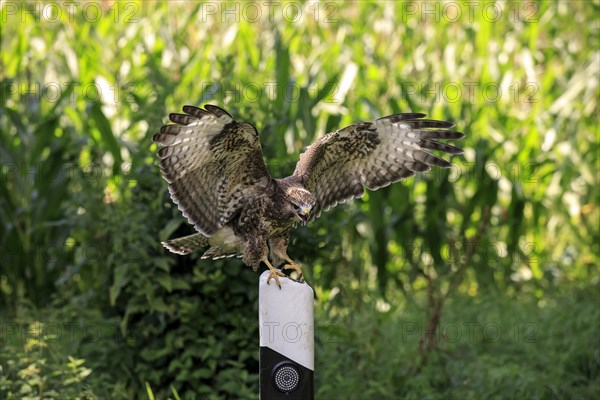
(213, 165)
(339, 165)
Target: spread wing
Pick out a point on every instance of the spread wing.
(213, 165)
(339, 165)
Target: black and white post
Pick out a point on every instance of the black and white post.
(286, 322)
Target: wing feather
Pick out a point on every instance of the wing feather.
(212, 164)
(339, 165)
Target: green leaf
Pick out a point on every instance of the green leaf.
(120, 279)
(106, 132)
(169, 228)
(165, 281)
(149, 391)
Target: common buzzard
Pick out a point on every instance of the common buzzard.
(219, 180)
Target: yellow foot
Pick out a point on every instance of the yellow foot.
(274, 273)
(293, 265)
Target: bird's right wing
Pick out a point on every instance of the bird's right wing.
(212, 163)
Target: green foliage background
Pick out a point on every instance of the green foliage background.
(498, 255)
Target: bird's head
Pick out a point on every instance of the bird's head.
(301, 202)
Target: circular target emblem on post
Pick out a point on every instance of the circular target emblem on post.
(286, 377)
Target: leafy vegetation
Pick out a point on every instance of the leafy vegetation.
(480, 281)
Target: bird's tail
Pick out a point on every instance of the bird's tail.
(187, 244)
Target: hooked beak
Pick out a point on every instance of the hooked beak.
(303, 215)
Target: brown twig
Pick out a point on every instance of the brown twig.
(428, 343)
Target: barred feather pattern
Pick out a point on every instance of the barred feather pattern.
(213, 164)
(339, 165)
(187, 244)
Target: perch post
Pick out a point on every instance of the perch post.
(286, 325)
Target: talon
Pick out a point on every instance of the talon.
(274, 273)
(293, 265)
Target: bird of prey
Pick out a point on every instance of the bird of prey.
(217, 177)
